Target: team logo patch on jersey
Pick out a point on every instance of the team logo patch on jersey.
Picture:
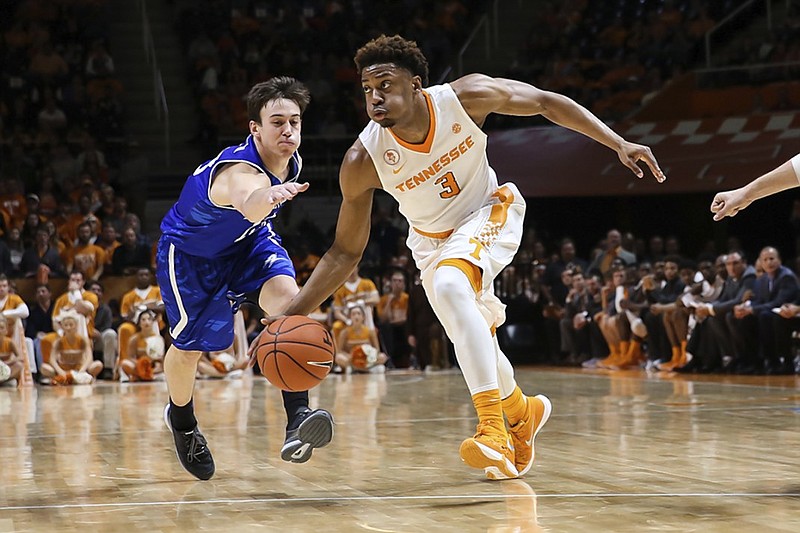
(456, 127)
(391, 156)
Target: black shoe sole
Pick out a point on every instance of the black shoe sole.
(315, 431)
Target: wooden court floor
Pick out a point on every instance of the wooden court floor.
(623, 452)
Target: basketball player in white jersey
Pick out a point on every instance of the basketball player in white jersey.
(786, 176)
(425, 147)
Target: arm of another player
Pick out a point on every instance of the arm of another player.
(358, 181)
(481, 95)
(250, 192)
(786, 176)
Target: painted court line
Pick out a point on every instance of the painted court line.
(405, 498)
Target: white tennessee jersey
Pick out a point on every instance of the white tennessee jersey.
(441, 181)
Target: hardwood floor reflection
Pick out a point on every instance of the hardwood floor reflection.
(622, 452)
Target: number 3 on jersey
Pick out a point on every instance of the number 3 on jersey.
(449, 184)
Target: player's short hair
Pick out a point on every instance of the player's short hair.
(274, 88)
(394, 49)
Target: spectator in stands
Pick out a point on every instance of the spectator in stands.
(77, 299)
(99, 63)
(612, 250)
(356, 290)
(48, 66)
(70, 359)
(42, 253)
(16, 251)
(785, 323)
(751, 322)
(567, 259)
(10, 356)
(145, 361)
(109, 243)
(14, 203)
(144, 296)
(131, 255)
(104, 337)
(6, 266)
(357, 344)
(580, 335)
(662, 291)
(40, 320)
(119, 214)
(392, 316)
(86, 257)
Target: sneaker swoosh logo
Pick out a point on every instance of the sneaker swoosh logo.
(398, 169)
(301, 451)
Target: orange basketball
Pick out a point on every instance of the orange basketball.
(294, 353)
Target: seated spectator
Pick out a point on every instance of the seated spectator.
(71, 355)
(11, 362)
(41, 255)
(131, 255)
(612, 320)
(662, 290)
(612, 250)
(84, 256)
(144, 296)
(751, 322)
(580, 334)
(355, 291)
(145, 360)
(6, 266)
(40, 320)
(393, 315)
(77, 299)
(357, 345)
(786, 323)
(104, 337)
(108, 242)
(16, 250)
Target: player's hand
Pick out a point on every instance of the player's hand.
(631, 153)
(728, 203)
(285, 191)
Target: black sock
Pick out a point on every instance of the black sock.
(182, 417)
(294, 403)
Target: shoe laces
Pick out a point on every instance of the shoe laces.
(486, 429)
(196, 446)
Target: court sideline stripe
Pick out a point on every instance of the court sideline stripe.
(408, 498)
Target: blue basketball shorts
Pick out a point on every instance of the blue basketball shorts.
(194, 289)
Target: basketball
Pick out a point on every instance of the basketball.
(294, 353)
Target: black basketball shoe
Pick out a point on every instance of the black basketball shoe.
(315, 430)
(192, 450)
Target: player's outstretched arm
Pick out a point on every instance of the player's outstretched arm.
(786, 176)
(358, 181)
(250, 192)
(481, 95)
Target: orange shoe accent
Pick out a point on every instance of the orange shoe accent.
(613, 358)
(490, 451)
(633, 357)
(537, 412)
(676, 357)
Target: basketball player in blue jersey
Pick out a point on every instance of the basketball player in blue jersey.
(425, 146)
(218, 244)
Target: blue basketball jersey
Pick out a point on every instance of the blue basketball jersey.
(198, 226)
